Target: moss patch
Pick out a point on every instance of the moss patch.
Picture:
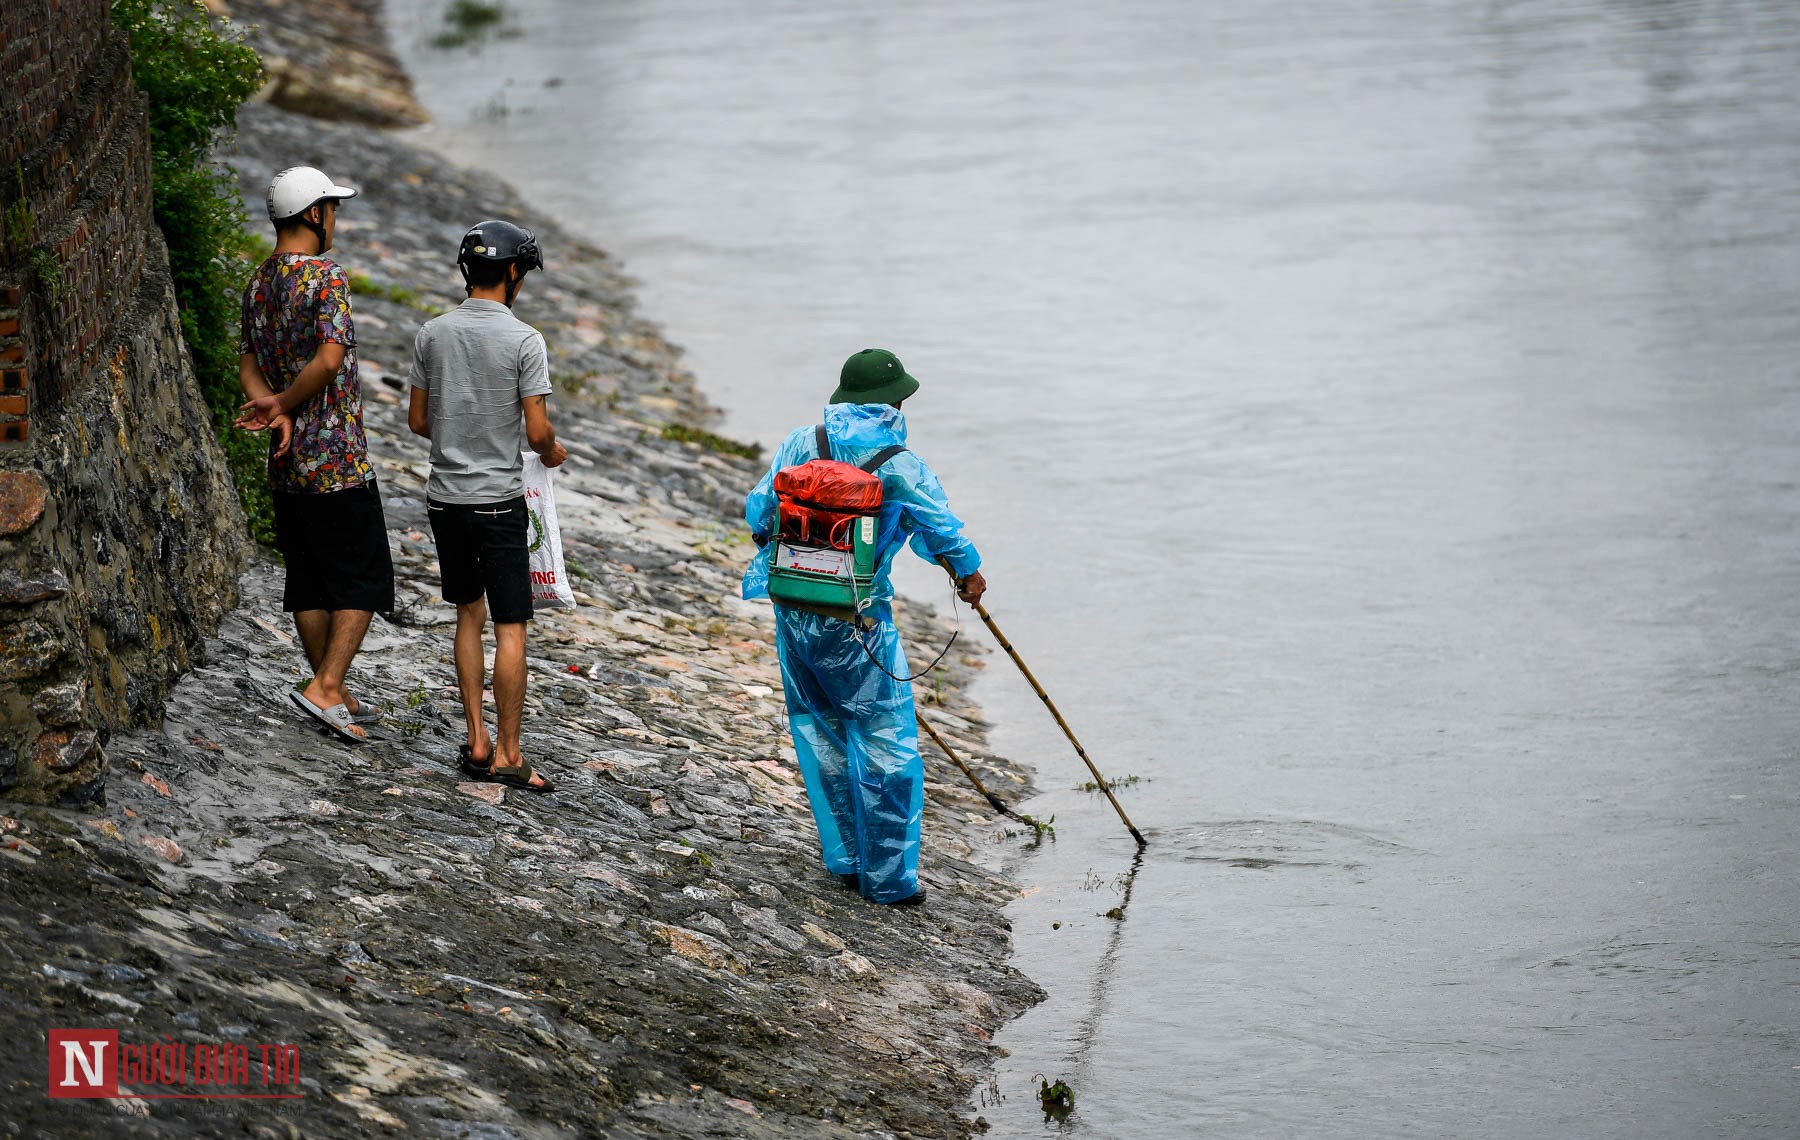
(711, 441)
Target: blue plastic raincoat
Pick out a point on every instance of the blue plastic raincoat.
(853, 726)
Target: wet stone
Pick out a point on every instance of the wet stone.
(17, 589)
(165, 847)
(61, 705)
(29, 649)
(22, 498)
(65, 751)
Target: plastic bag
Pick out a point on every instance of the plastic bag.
(549, 580)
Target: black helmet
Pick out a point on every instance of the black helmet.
(498, 241)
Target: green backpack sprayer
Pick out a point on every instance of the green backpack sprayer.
(824, 561)
(824, 557)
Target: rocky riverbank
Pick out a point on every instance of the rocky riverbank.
(327, 58)
(651, 951)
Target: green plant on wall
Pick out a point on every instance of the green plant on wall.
(196, 75)
(21, 238)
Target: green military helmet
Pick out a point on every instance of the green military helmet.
(873, 376)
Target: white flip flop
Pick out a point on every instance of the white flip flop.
(336, 718)
(369, 713)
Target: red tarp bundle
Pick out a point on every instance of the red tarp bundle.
(819, 499)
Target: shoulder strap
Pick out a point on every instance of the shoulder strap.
(880, 457)
(823, 443)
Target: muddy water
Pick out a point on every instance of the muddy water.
(1381, 424)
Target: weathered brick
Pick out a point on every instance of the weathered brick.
(16, 406)
(62, 751)
(22, 497)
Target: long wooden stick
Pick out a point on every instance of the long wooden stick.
(973, 779)
(1061, 723)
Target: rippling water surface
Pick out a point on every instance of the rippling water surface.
(1381, 422)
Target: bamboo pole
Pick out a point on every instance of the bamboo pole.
(973, 779)
(988, 619)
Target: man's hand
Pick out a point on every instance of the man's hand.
(557, 454)
(260, 412)
(283, 427)
(264, 414)
(971, 588)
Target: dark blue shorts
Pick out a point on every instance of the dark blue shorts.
(482, 551)
(335, 546)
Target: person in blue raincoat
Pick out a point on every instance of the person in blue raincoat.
(850, 714)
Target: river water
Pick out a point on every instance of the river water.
(1381, 424)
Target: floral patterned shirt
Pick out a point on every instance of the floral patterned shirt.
(294, 303)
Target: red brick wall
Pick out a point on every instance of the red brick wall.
(46, 47)
(120, 533)
(75, 175)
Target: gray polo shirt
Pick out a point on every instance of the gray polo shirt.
(478, 361)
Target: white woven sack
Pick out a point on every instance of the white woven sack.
(549, 580)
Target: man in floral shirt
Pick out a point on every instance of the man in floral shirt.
(298, 368)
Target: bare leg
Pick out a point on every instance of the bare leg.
(347, 630)
(315, 635)
(509, 693)
(471, 619)
(314, 627)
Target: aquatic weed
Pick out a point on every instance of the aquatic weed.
(991, 1096)
(1115, 785)
(1057, 1100)
(468, 20)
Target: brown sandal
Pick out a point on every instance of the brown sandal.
(520, 777)
(471, 767)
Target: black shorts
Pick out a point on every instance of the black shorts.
(482, 550)
(336, 549)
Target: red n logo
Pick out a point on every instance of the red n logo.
(84, 1062)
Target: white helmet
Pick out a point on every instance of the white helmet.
(298, 187)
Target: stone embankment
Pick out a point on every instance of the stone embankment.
(120, 538)
(651, 951)
(328, 58)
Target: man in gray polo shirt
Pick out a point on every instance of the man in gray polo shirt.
(480, 377)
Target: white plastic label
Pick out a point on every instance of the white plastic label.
(549, 580)
(833, 562)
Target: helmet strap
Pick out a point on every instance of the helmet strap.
(512, 285)
(317, 228)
